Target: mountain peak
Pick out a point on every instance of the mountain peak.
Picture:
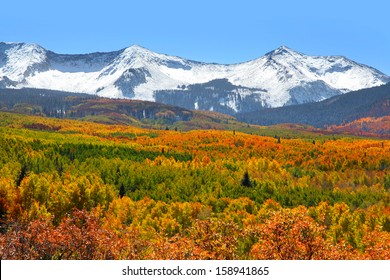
(137, 49)
(21, 60)
(282, 50)
(137, 54)
(21, 45)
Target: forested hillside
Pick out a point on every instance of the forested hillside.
(338, 110)
(143, 114)
(369, 126)
(79, 190)
(322, 118)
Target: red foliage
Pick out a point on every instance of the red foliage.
(295, 236)
(78, 236)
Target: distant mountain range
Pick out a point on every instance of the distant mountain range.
(279, 78)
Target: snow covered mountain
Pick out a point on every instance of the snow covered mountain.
(281, 77)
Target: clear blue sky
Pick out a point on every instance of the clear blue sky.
(205, 30)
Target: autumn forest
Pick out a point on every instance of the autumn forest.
(72, 189)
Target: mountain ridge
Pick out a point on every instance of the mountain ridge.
(279, 78)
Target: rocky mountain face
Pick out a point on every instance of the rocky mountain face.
(279, 78)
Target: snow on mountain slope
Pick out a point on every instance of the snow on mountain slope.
(18, 60)
(279, 78)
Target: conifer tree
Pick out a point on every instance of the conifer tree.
(122, 191)
(246, 181)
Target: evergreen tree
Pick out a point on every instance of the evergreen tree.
(122, 191)
(22, 174)
(246, 180)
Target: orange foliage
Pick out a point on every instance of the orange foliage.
(183, 198)
(369, 126)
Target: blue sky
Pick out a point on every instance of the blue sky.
(205, 30)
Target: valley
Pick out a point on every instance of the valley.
(128, 192)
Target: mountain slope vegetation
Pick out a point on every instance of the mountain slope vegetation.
(73, 189)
